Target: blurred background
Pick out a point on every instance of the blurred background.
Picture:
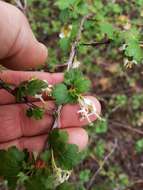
(114, 157)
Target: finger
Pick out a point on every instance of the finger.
(21, 50)
(17, 77)
(76, 136)
(15, 123)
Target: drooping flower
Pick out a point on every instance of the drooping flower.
(76, 64)
(47, 91)
(65, 31)
(61, 175)
(40, 97)
(123, 47)
(129, 63)
(87, 109)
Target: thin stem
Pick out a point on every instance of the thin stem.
(4, 86)
(96, 43)
(70, 63)
(102, 165)
(76, 43)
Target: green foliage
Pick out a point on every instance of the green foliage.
(76, 80)
(101, 126)
(68, 154)
(120, 100)
(30, 88)
(85, 175)
(137, 101)
(66, 186)
(61, 94)
(100, 149)
(74, 85)
(37, 113)
(139, 146)
(18, 167)
(10, 165)
(119, 21)
(65, 4)
(123, 181)
(108, 29)
(133, 49)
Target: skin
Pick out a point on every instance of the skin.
(20, 51)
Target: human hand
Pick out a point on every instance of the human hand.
(19, 51)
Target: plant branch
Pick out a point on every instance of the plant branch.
(6, 87)
(70, 62)
(126, 126)
(76, 43)
(96, 43)
(22, 5)
(103, 163)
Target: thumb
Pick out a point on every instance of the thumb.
(21, 49)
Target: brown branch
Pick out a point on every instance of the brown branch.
(70, 61)
(96, 43)
(22, 5)
(3, 85)
(11, 91)
(91, 182)
(126, 126)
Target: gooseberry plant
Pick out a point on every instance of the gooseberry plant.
(52, 168)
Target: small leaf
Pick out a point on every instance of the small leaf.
(30, 88)
(108, 29)
(37, 113)
(85, 175)
(101, 127)
(62, 4)
(60, 93)
(66, 186)
(35, 183)
(76, 80)
(67, 155)
(10, 165)
(35, 86)
(139, 146)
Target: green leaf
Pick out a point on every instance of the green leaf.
(45, 156)
(139, 146)
(67, 155)
(137, 101)
(64, 44)
(10, 165)
(108, 29)
(62, 4)
(20, 93)
(76, 80)
(66, 186)
(101, 127)
(35, 183)
(37, 113)
(60, 93)
(35, 86)
(132, 39)
(22, 177)
(85, 175)
(100, 149)
(134, 51)
(30, 88)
